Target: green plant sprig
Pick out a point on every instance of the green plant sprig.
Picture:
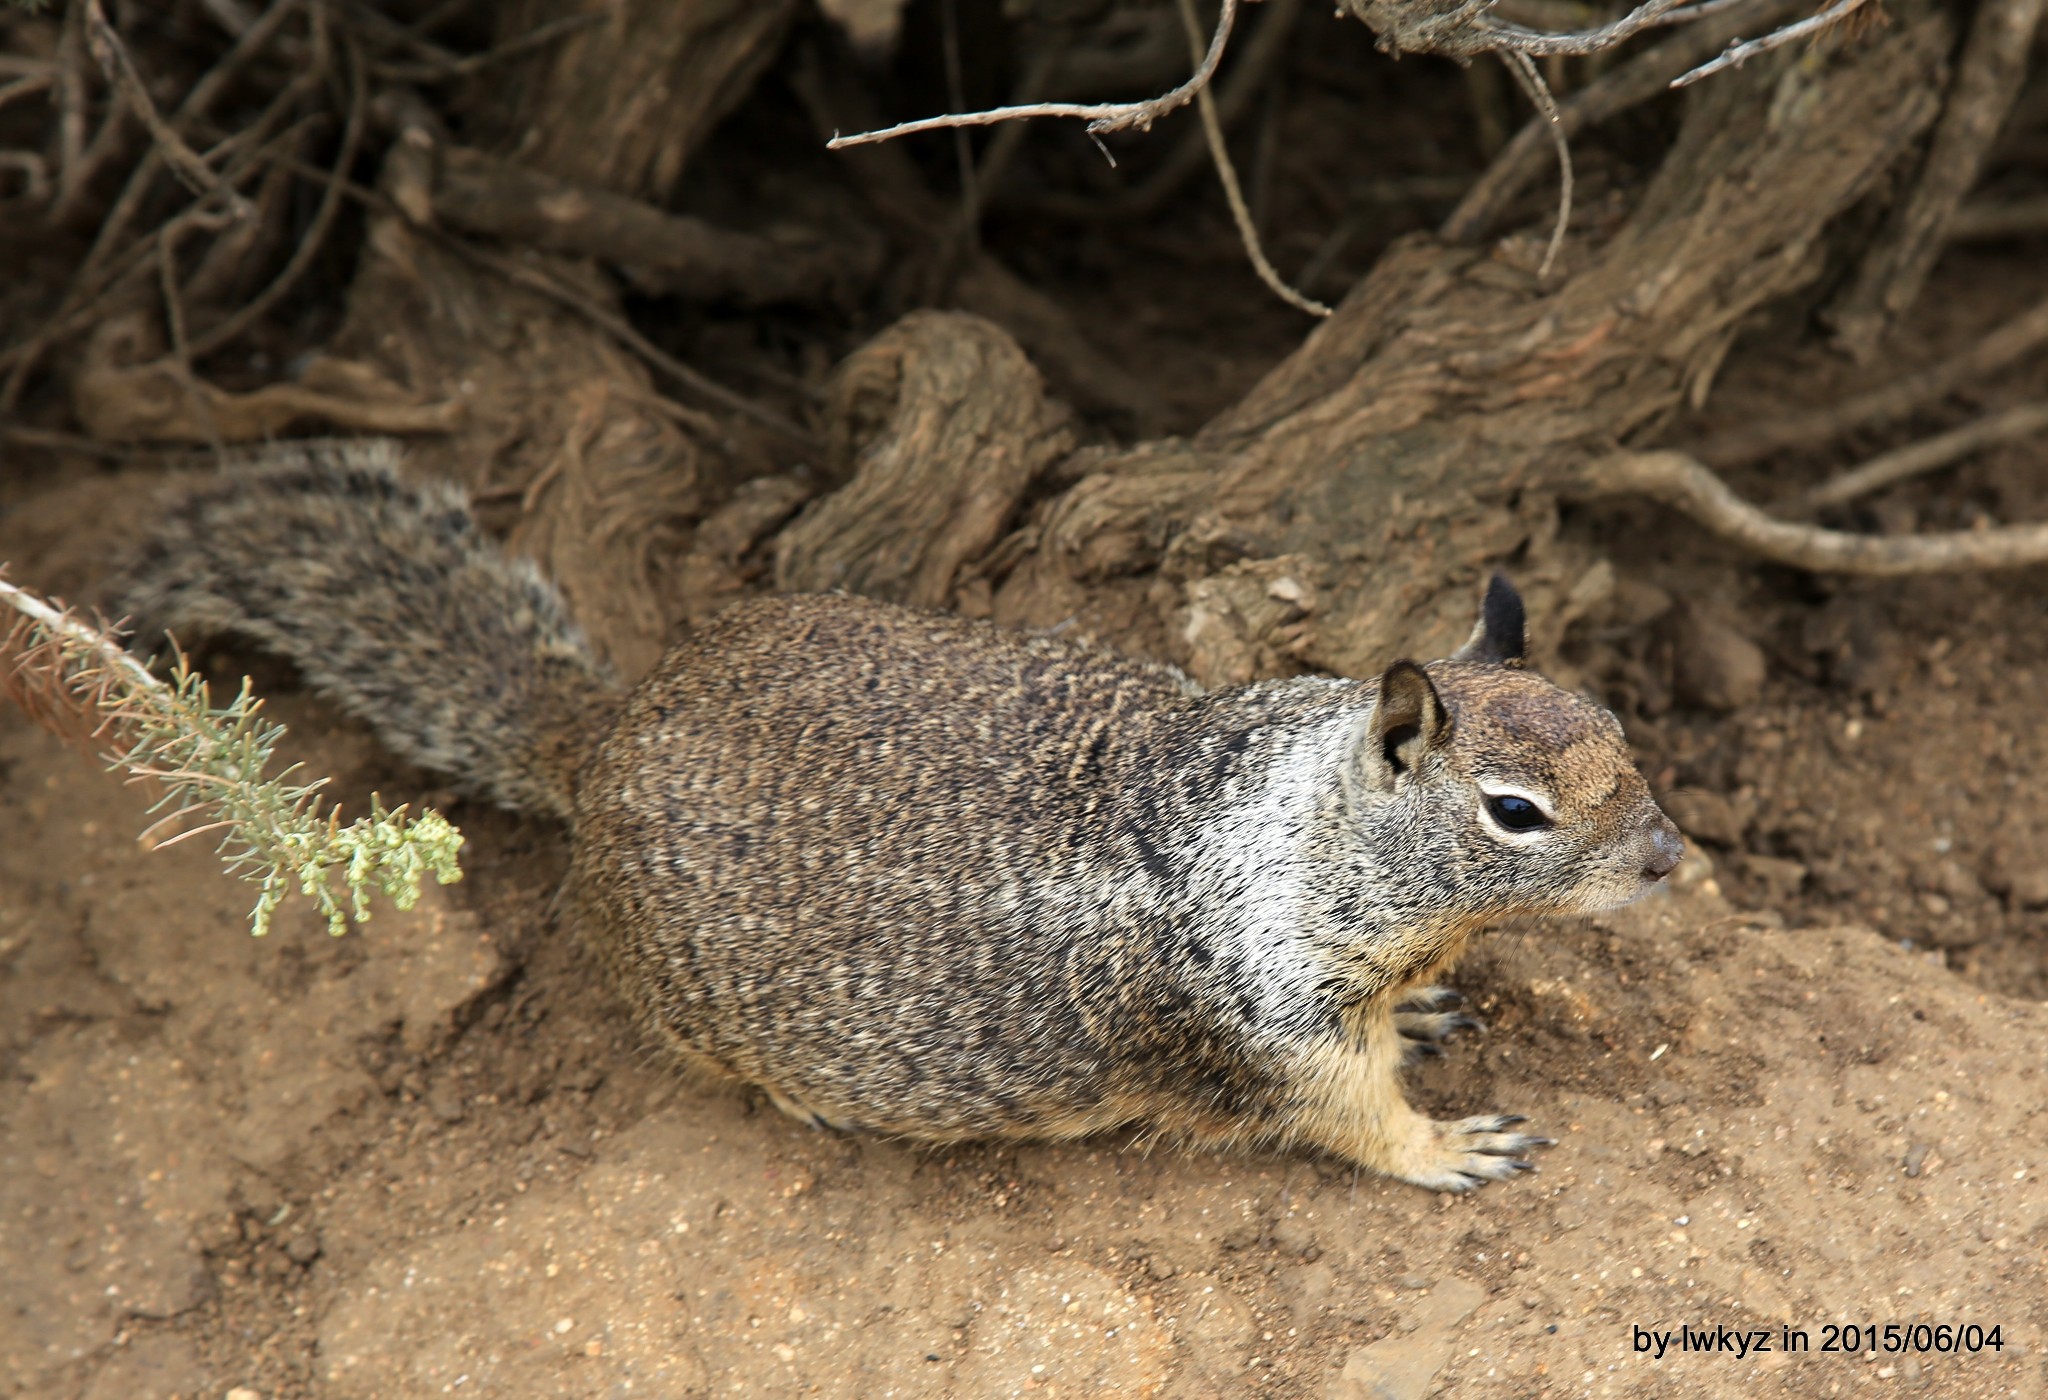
(208, 763)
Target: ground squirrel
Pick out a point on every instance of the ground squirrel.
(927, 877)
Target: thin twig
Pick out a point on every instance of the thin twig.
(71, 64)
(28, 87)
(181, 347)
(1984, 356)
(1101, 116)
(52, 441)
(963, 144)
(1679, 481)
(536, 281)
(621, 329)
(1741, 53)
(1252, 66)
(113, 60)
(194, 106)
(1986, 221)
(1646, 76)
(1470, 29)
(1692, 14)
(1938, 451)
(1538, 92)
(1212, 127)
(314, 238)
(449, 68)
(22, 357)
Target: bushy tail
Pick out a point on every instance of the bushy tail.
(393, 604)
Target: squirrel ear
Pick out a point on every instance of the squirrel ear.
(1408, 720)
(1498, 639)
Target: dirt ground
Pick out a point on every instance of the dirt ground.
(1802, 1096)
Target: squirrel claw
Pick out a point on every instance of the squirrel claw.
(1470, 1152)
(1432, 999)
(1426, 1026)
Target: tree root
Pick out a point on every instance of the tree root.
(1677, 480)
(1888, 403)
(1938, 451)
(1987, 84)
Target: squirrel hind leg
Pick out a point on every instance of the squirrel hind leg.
(809, 1117)
(1352, 1105)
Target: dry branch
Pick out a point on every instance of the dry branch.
(1739, 54)
(1538, 92)
(1679, 481)
(660, 252)
(1990, 220)
(1251, 69)
(113, 60)
(1219, 151)
(1428, 426)
(1643, 77)
(1985, 356)
(1987, 84)
(1938, 451)
(609, 321)
(1100, 116)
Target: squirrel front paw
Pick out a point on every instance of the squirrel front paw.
(1463, 1155)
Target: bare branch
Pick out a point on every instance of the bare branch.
(1742, 53)
(1925, 456)
(1641, 78)
(1986, 221)
(1471, 29)
(1101, 117)
(1247, 230)
(1676, 480)
(113, 60)
(1538, 92)
(1984, 355)
(314, 238)
(1987, 84)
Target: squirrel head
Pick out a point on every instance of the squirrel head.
(1527, 791)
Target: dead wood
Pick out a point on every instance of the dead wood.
(1645, 76)
(123, 392)
(1889, 403)
(2023, 420)
(971, 279)
(621, 104)
(1987, 84)
(607, 479)
(658, 252)
(940, 425)
(715, 571)
(1428, 425)
(1677, 480)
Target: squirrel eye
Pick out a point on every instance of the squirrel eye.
(1516, 813)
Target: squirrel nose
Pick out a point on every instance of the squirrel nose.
(1667, 848)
